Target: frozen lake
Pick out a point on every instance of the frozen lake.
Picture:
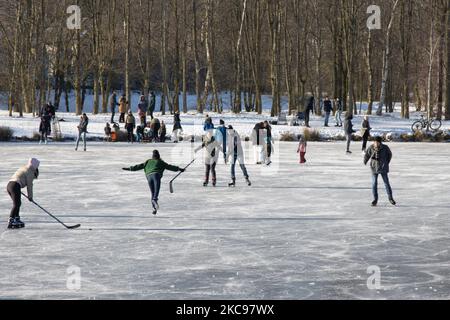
(301, 232)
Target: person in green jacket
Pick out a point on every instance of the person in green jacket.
(154, 170)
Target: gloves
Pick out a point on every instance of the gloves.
(126, 169)
(182, 170)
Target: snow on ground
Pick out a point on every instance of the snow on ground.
(301, 232)
(193, 123)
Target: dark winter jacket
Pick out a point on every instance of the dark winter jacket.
(209, 125)
(82, 127)
(339, 106)
(379, 159)
(113, 101)
(258, 134)
(45, 125)
(365, 127)
(154, 166)
(152, 103)
(142, 107)
(348, 126)
(310, 105)
(327, 106)
(177, 122)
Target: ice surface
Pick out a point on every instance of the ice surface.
(301, 232)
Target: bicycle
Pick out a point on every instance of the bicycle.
(423, 123)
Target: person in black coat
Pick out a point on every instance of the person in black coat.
(309, 109)
(365, 132)
(380, 157)
(177, 129)
(348, 128)
(328, 108)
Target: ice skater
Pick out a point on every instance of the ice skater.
(302, 145)
(348, 128)
(258, 136)
(45, 127)
(82, 131)
(212, 148)
(24, 177)
(365, 132)
(380, 156)
(221, 137)
(236, 153)
(154, 170)
(177, 128)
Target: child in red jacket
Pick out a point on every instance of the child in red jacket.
(302, 149)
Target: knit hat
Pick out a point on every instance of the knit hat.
(222, 122)
(379, 139)
(156, 155)
(33, 162)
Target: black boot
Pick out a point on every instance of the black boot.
(214, 182)
(232, 183)
(392, 201)
(374, 203)
(249, 183)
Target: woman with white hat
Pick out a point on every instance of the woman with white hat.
(24, 177)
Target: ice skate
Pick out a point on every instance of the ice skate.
(249, 183)
(374, 203)
(392, 201)
(232, 183)
(15, 223)
(155, 205)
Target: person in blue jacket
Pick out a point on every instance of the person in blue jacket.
(221, 137)
(208, 125)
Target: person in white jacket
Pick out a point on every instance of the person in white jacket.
(23, 178)
(236, 153)
(212, 148)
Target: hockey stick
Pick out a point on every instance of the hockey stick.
(68, 227)
(171, 181)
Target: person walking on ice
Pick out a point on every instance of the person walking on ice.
(154, 170)
(82, 130)
(348, 129)
(302, 149)
(380, 157)
(236, 153)
(24, 177)
(212, 148)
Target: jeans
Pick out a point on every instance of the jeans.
(339, 118)
(13, 189)
(349, 141)
(154, 182)
(81, 134)
(233, 168)
(386, 184)
(113, 113)
(327, 118)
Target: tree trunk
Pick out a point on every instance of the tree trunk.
(386, 60)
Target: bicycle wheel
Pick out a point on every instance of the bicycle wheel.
(417, 126)
(435, 125)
